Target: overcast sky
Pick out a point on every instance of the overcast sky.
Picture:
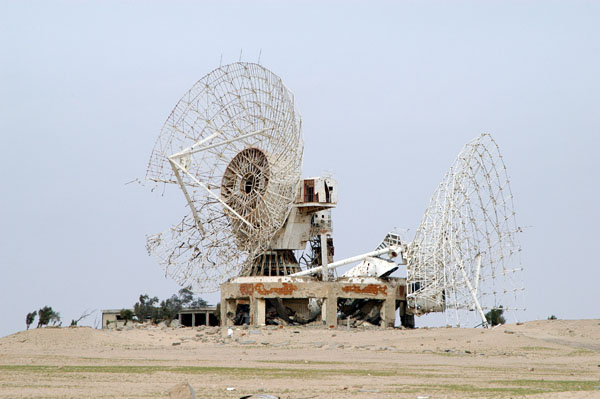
(389, 94)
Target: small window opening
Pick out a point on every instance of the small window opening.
(309, 191)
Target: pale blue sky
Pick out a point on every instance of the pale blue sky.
(389, 93)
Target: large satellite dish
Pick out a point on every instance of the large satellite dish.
(465, 255)
(233, 145)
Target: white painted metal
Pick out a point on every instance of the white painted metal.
(472, 291)
(215, 196)
(234, 146)
(372, 267)
(477, 271)
(187, 196)
(197, 147)
(324, 256)
(295, 233)
(465, 254)
(392, 251)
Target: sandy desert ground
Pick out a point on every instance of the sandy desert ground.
(538, 359)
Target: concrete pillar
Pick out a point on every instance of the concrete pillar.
(227, 305)
(193, 319)
(332, 311)
(223, 309)
(329, 309)
(324, 259)
(261, 312)
(388, 311)
(207, 319)
(253, 306)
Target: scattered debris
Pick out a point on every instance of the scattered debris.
(230, 388)
(279, 314)
(360, 310)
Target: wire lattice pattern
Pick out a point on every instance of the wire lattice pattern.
(234, 145)
(466, 244)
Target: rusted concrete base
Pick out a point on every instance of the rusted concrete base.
(253, 291)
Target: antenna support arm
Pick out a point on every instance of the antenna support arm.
(393, 251)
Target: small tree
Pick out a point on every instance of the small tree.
(494, 316)
(156, 316)
(126, 314)
(198, 303)
(55, 319)
(552, 317)
(145, 309)
(169, 309)
(85, 314)
(186, 296)
(30, 318)
(47, 315)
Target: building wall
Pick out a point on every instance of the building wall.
(187, 317)
(112, 318)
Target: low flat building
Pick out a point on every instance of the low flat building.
(204, 316)
(188, 317)
(112, 318)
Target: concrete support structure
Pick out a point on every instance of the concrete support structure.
(324, 255)
(255, 290)
(192, 317)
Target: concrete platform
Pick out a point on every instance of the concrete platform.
(254, 291)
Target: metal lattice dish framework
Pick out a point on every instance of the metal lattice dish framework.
(233, 145)
(465, 255)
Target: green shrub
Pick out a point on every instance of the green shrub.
(30, 318)
(47, 315)
(126, 314)
(494, 317)
(145, 309)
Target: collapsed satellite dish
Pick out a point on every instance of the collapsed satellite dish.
(465, 254)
